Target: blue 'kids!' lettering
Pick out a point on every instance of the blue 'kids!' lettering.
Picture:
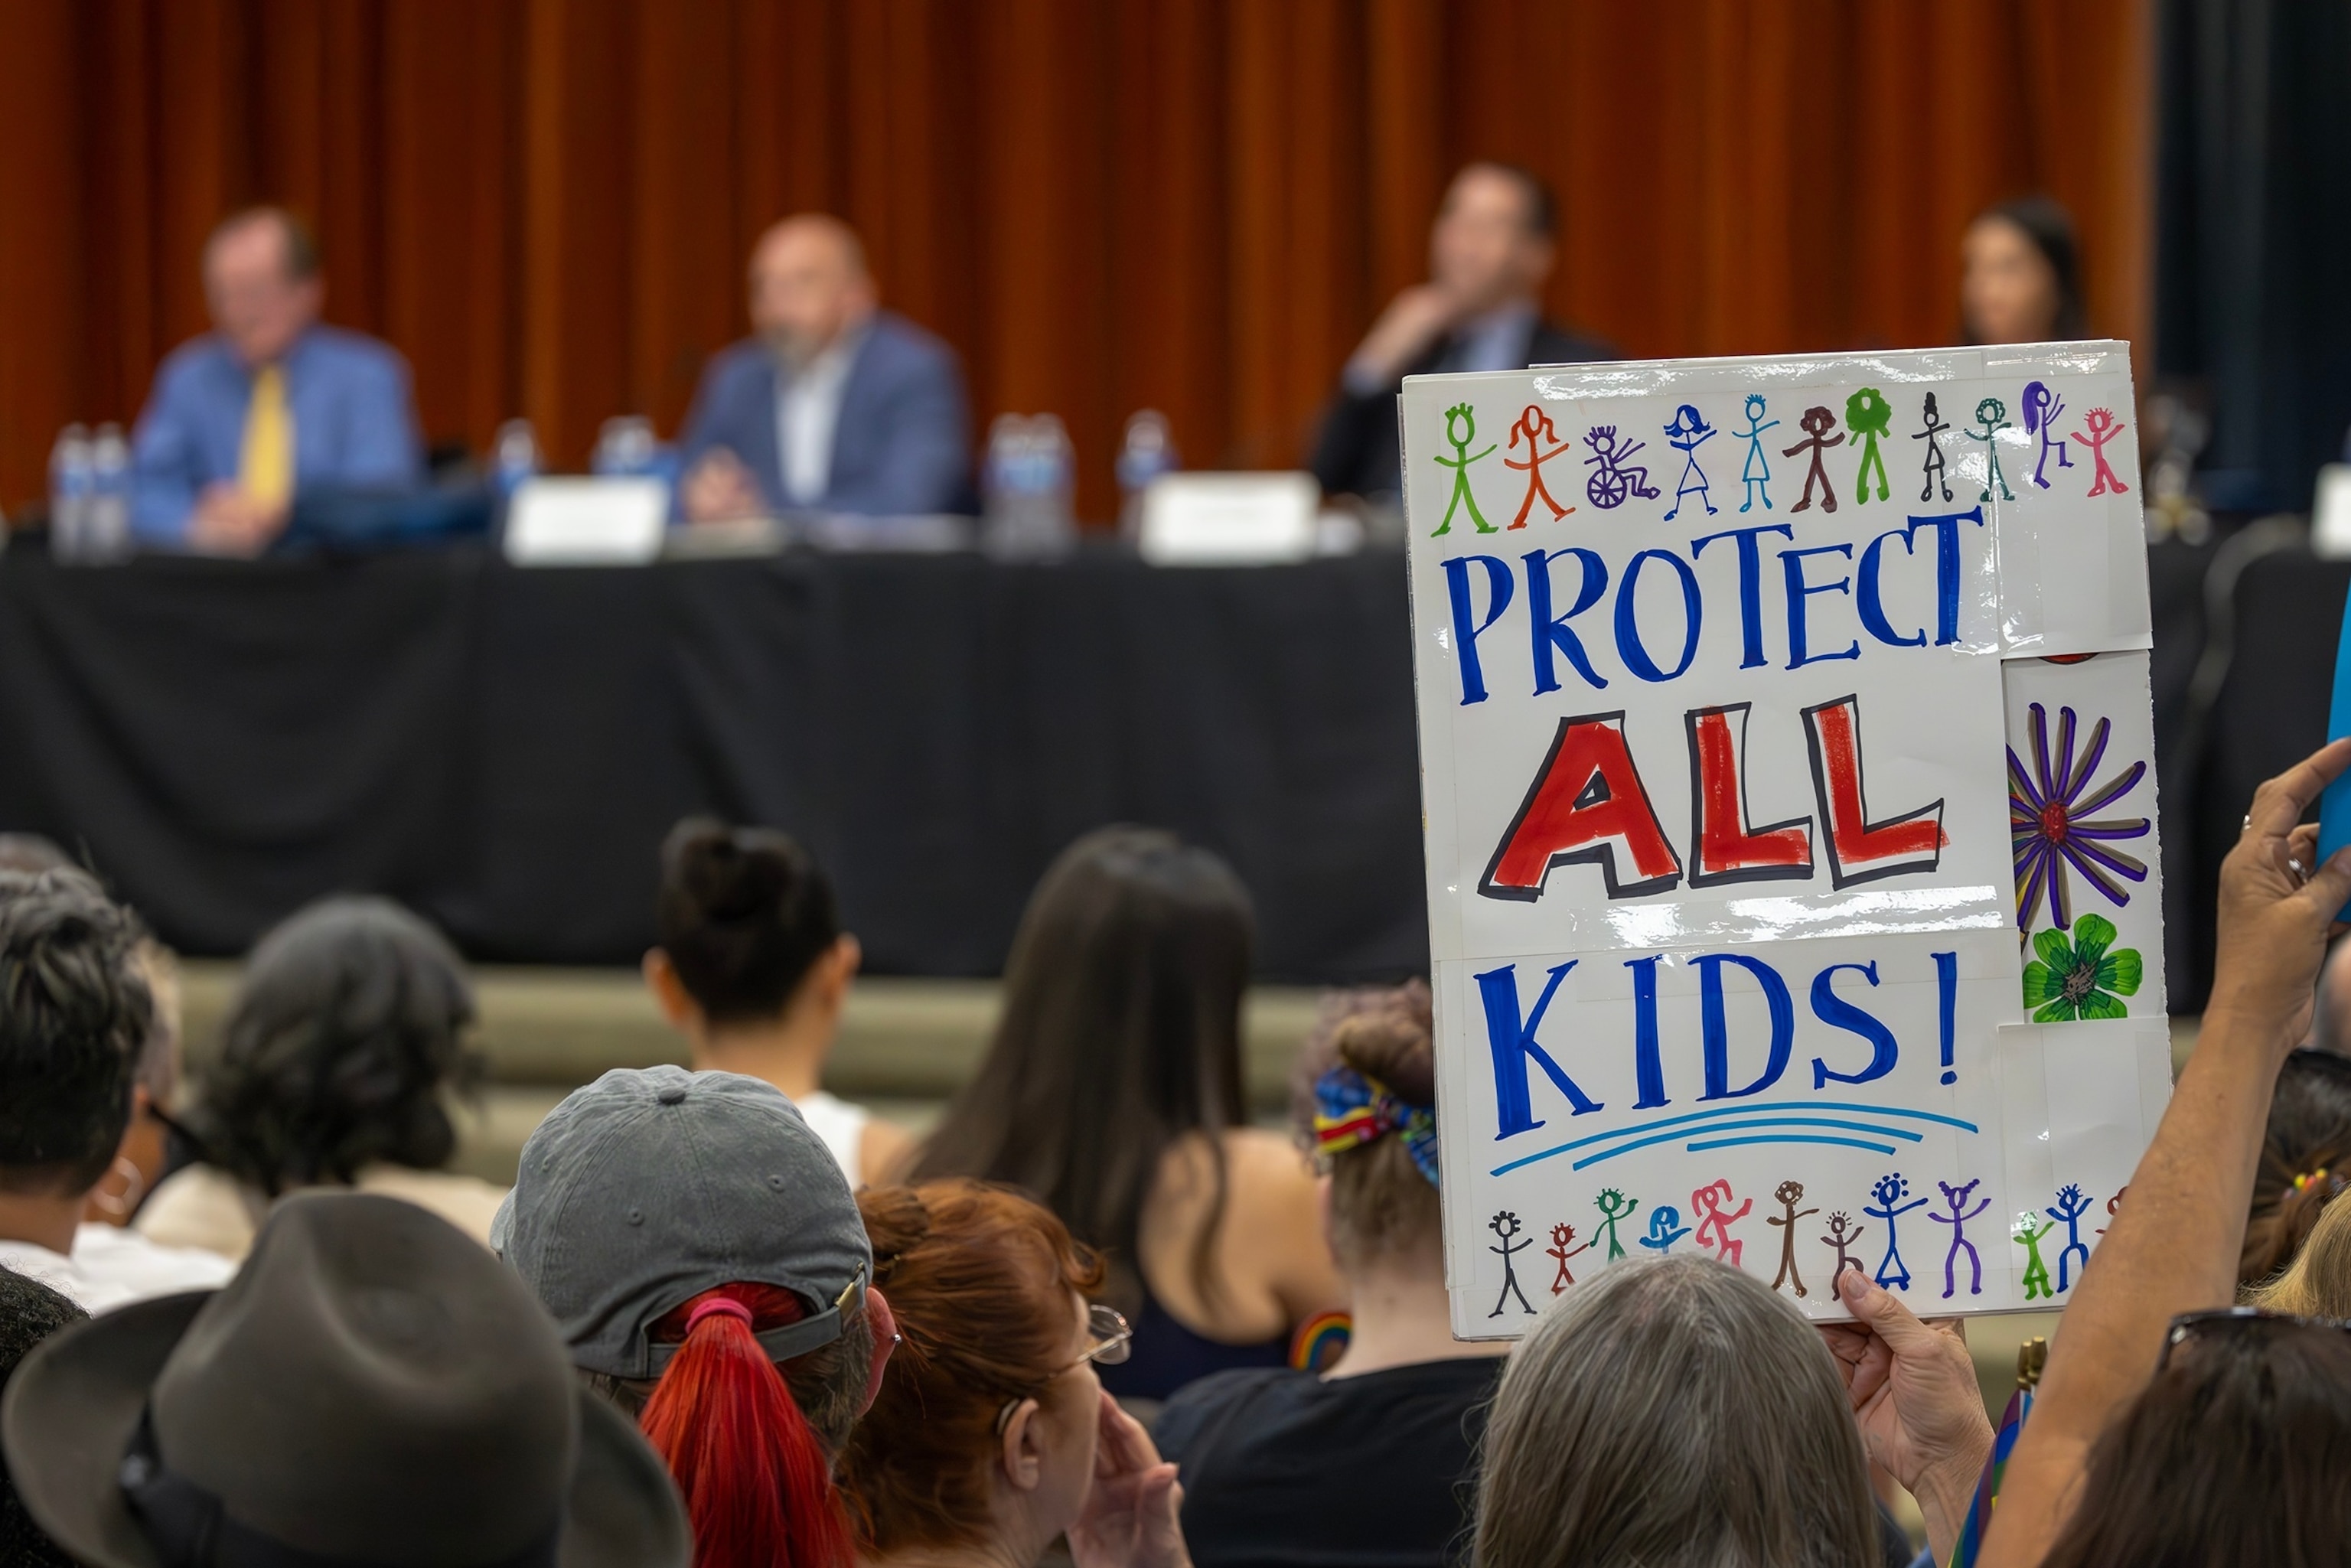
(1714, 1028)
(1514, 1049)
(1513, 1046)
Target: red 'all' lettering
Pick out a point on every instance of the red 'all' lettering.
(1726, 849)
(1859, 849)
(1587, 806)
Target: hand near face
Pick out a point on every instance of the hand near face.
(1132, 1514)
(227, 521)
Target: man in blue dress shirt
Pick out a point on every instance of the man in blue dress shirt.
(833, 405)
(267, 403)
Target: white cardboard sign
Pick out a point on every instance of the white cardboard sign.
(1724, 862)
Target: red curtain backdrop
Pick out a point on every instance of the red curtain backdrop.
(1192, 204)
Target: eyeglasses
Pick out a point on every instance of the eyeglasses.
(1111, 1341)
(2234, 1322)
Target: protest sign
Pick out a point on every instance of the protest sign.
(1737, 825)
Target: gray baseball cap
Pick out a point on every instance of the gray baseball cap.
(647, 1188)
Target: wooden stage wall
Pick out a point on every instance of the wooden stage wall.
(1195, 204)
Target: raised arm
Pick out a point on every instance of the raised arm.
(2174, 1243)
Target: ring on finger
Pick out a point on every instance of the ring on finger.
(2301, 872)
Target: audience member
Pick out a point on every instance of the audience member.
(2022, 282)
(74, 1014)
(1490, 252)
(706, 1265)
(1386, 1441)
(372, 1387)
(1718, 1431)
(2235, 1452)
(29, 1312)
(753, 967)
(1111, 1090)
(2217, 1459)
(2306, 1160)
(147, 1151)
(152, 1143)
(268, 403)
(2317, 1283)
(993, 1435)
(833, 404)
(346, 1038)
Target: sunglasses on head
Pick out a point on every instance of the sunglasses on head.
(2235, 1323)
(1108, 1342)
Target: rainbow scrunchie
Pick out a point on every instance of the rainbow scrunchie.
(1352, 1109)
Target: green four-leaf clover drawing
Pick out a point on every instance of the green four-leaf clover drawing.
(2081, 980)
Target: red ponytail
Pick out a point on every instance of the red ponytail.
(758, 1483)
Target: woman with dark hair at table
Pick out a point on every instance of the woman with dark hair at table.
(2023, 278)
(335, 1066)
(1111, 1090)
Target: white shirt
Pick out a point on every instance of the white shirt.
(112, 1267)
(808, 412)
(841, 1126)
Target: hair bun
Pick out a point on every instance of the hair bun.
(731, 879)
(1393, 1042)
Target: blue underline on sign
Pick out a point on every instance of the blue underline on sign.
(1721, 1114)
(1746, 1123)
(1794, 1138)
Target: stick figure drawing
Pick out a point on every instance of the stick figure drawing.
(1534, 427)
(1841, 1229)
(1993, 415)
(1816, 425)
(1790, 1193)
(1506, 1225)
(1685, 434)
(1756, 473)
(1957, 1198)
(1665, 1227)
(1615, 1205)
(1460, 463)
(1561, 1235)
(1708, 1203)
(2102, 427)
(1889, 1191)
(1868, 415)
(1934, 463)
(2042, 408)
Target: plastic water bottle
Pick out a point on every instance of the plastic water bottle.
(1145, 452)
(71, 477)
(1030, 466)
(106, 525)
(625, 446)
(514, 457)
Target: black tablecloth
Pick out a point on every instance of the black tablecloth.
(502, 749)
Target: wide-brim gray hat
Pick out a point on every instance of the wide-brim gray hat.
(311, 1412)
(649, 1186)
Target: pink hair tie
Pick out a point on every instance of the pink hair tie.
(717, 1306)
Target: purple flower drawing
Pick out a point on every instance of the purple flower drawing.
(2048, 820)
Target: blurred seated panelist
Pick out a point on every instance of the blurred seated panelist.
(1490, 252)
(269, 402)
(833, 404)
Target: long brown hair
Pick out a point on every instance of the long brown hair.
(2306, 1160)
(2235, 1452)
(981, 1281)
(1120, 1035)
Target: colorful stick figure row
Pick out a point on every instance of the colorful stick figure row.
(1868, 419)
(1711, 1207)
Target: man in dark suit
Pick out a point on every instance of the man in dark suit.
(1488, 254)
(834, 405)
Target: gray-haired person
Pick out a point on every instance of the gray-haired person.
(1676, 1412)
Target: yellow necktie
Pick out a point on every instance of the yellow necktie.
(265, 467)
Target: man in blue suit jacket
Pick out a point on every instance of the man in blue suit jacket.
(835, 405)
(266, 404)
